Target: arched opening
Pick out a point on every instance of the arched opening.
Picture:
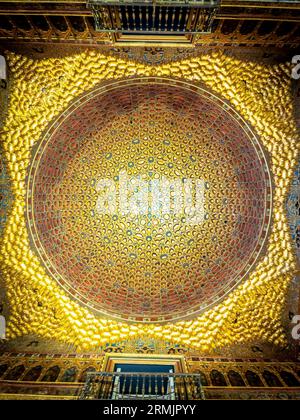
(289, 378)
(51, 375)
(253, 379)
(15, 373)
(69, 375)
(217, 378)
(235, 378)
(84, 374)
(33, 374)
(271, 379)
(3, 369)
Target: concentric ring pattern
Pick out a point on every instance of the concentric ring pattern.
(148, 267)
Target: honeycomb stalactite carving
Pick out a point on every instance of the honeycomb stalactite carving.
(153, 266)
(43, 89)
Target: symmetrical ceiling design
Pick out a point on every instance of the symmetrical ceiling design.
(157, 264)
(255, 310)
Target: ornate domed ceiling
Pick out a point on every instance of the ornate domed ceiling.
(197, 200)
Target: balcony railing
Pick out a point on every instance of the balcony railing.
(142, 386)
(154, 18)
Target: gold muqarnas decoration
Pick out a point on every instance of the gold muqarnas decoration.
(40, 90)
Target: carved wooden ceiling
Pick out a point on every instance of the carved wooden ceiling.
(174, 23)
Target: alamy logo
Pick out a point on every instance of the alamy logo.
(2, 68)
(2, 327)
(296, 69)
(296, 328)
(134, 196)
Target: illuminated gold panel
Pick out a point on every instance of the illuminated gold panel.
(253, 311)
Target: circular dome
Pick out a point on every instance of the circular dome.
(149, 200)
